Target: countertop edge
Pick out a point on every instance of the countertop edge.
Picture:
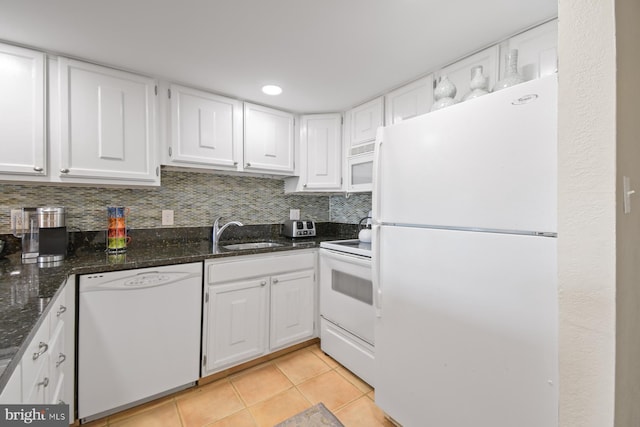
(76, 270)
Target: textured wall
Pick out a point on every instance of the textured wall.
(587, 211)
(350, 209)
(196, 198)
(628, 225)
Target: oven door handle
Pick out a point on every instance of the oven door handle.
(340, 256)
(375, 269)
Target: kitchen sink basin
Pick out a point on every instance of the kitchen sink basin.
(251, 245)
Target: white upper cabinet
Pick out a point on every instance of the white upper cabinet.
(206, 129)
(22, 113)
(320, 165)
(268, 140)
(459, 73)
(363, 122)
(108, 130)
(409, 101)
(361, 125)
(537, 51)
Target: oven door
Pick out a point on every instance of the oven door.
(346, 292)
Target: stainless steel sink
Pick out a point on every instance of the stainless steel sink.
(251, 245)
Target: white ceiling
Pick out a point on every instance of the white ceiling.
(328, 55)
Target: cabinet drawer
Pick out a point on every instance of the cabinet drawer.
(34, 392)
(59, 311)
(224, 271)
(57, 357)
(353, 353)
(35, 356)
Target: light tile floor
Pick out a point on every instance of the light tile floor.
(263, 396)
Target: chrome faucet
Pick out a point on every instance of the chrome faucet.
(217, 231)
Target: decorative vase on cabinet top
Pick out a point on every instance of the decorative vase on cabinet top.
(479, 84)
(512, 77)
(444, 93)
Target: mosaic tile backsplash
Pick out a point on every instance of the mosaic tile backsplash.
(196, 199)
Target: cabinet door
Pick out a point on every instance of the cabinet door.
(364, 121)
(321, 152)
(537, 51)
(459, 73)
(22, 112)
(268, 140)
(107, 124)
(292, 308)
(409, 101)
(205, 128)
(236, 323)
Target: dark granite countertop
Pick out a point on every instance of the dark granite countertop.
(27, 289)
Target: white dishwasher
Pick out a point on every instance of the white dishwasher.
(138, 336)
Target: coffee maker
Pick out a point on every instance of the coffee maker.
(53, 234)
(44, 235)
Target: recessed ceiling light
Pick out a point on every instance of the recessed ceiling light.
(272, 89)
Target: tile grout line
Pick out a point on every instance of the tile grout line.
(246, 407)
(363, 390)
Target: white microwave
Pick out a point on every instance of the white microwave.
(360, 173)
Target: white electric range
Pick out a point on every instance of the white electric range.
(346, 305)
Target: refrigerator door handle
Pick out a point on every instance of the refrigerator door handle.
(375, 270)
(375, 206)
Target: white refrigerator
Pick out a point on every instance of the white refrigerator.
(464, 263)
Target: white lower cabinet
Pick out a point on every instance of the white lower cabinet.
(257, 304)
(236, 330)
(292, 306)
(45, 374)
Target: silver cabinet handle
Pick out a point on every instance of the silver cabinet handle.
(64, 170)
(275, 280)
(44, 382)
(248, 165)
(61, 402)
(157, 170)
(61, 310)
(263, 283)
(235, 163)
(61, 358)
(38, 168)
(42, 348)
